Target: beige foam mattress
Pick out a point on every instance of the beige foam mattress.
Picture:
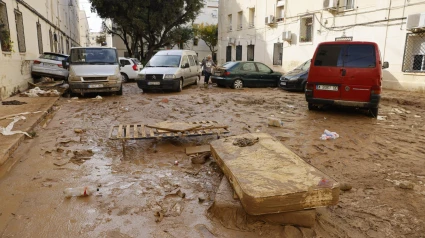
(269, 178)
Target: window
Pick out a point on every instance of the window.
(306, 29)
(184, 61)
(125, 62)
(20, 31)
(360, 56)
(195, 57)
(39, 38)
(229, 21)
(228, 53)
(53, 57)
(4, 29)
(238, 53)
(191, 60)
(329, 55)
(263, 68)
(51, 40)
(414, 53)
(250, 67)
(214, 14)
(347, 5)
(277, 53)
(251, 17)
(250, 53)
(240, 19)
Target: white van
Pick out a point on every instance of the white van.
(170, 69)
(94, 69)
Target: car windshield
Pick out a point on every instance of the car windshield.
(53, 57)
(164, 61)
(304, 66)
(93, 56)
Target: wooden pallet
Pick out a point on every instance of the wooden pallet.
(141, 131)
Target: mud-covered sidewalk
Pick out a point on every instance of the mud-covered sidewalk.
(381, 159)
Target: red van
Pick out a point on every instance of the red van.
(346, 73)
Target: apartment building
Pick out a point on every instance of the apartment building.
(285, 33)
(29, 28)
(84, 29)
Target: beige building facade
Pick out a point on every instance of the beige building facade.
(285, 33)
(84, 29)
(29, 28)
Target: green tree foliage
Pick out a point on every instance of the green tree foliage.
(207, 33)
(101, 40)
(154, 22)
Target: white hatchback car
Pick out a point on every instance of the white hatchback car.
(49, 65)
(130, 68)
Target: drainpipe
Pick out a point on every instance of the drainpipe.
(386, 31)
(404, 8)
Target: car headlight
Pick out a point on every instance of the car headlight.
(142, 76)
(294, 79)
(169, 76)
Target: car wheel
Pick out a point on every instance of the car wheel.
(124, 77)
(180, 87)
(119, 93)
(311, 106)
(304, 88)
(373, 112)
(237, 84)
(197, 80)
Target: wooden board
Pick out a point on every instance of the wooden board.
(197, 149)
(269, 178)
(174, 126)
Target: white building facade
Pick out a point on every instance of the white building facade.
(29, 28)
(84, 29)
(285, 33)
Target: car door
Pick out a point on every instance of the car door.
(249, 74)
(326, 75)
(268, 77)
(185, 71)
(360, 72)
(193, 68)
(126, 66)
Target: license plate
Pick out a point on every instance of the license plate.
(95, 85)
(327, 87)
(154, 83)
(218, 74)
(282, 83)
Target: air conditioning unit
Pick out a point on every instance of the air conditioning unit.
(270, 20)
(287, 36)
(415, 22)
(330, 4)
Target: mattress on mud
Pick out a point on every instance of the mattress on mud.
(269, 178)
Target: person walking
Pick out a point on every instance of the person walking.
(208, 64)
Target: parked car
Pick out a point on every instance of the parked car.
(49, 65)
(94, 69)
(297, 78)
(245, 74)
(346, 73)
(170, 69)
(130, 68)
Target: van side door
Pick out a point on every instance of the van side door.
(326, 70)
(193, 68)
(361, 72)
(187, 77)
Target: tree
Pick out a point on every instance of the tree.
(150, 21)
(101, 39)
(207, 33)
(180, 36)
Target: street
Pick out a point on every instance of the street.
(381, 159)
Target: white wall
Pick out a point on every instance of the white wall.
(15, 66)
(84, 29)
(357, 23)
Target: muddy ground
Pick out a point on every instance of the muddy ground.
(383, 160)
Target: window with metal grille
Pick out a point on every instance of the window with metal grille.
(306, 29)
(51, 40)
(4, 29)
(414, 53)
(250, 53)
(348, 5)
(20, 31)
(277, 53)
(228, 53)
(39, 38)
(238, 53)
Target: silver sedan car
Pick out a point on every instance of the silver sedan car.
(49, 65)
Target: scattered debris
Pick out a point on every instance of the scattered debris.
(345, 187)
(165, 100)
(79, 131)
(417, 116)
(275, 122)
(201, 199)
(329, 135)
(80, 191)
(197, 149)
(406, 185)
(243, 142)
(159, 216)
(13, 102)
(74, 98)
(19, 114)
(381, 118)
(201, 158)
(325, 183)
(97, 98)
(176, 162)
(37, 92)
(7, 131)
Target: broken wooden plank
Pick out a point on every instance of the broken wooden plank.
(152, 134)
(136, 131)
(119, 131)
(128, 132)
(269, 178)
(143, 131)
(173, 126)
(197, 149)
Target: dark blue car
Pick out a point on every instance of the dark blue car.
(296, 79)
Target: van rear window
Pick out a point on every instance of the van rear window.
(351, 56)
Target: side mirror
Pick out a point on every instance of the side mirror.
(65, 64)
(386, 65)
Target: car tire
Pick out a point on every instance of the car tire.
(373, 112)
(180, 86)
(237, 84)
(119, 92)
(124, 78)
(197, 80)
(304, 88)
(311, 106)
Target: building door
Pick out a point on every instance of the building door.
(250, 53)
(239, 53)
(277, 54)
(228, 53)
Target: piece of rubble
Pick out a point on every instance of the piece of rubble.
(201, 158)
